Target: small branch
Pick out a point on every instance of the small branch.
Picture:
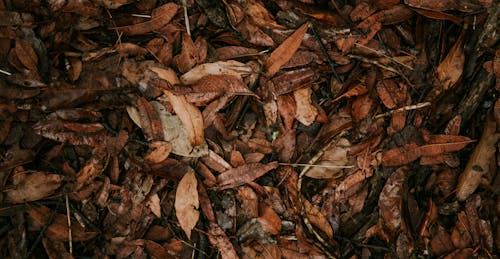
(5, 72)
(322, 166)
(186, 17)
(405, 108)
(70, 236)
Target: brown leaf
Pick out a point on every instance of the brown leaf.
(401, 155)
(35, 186)
(287, 109)
(187, 203)
(243, 174)
(150, 121)
(439, 144)
(391, 201)
(269, 220)
(191, 117)
(285, 51)
(334, 156)
(58, 230)
(159, 18)
(230, 67)
(451, 68)
(317, 218)
(159, 151)
(189, 54)
(480, 160)
(305, 112)
(26, 54)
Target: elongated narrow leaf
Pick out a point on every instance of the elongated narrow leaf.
(285, 51)
(187, 203)
(243, 174)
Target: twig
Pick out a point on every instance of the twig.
(70, 236)
(42, 231)
(405, 108)
(5, 72)
(325, 53)
(384, 55)
(322, 166)
(374, 62)
(186, 17)
(141, 15)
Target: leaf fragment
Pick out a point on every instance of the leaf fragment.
(187, 203)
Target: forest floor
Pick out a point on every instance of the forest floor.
(251, 129)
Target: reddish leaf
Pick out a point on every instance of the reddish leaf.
(285, 51)
(26, 54)
(243, 174)
(159, 18)
(451, 68)
(35, 186)
(190, 116)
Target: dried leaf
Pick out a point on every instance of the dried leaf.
(306, 112)
(159, 151)
(189, 54)
(391, 201)
(480, 160)
(160, 17)
(150, 122)
(26, 54)
(58, 230)
(317, 218)
(176, 134)
(451, 68)
(230, 67)
(336, 155)
(154, 205)
(187, 203)
(401, 155)
(243, 174)
(35, 186)
(285, 51)
(269, 220)
(190, 116)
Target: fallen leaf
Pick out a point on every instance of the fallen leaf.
(26, 54)
(176, 134)
(189, 54)
(335, 156)
(451, 68)
(187, 203)
(305, 112)
(285, 51)
(35, 186)
(317, 218)
(243, 174)
(480, 160)
(230, 67)
(269, 220)
(159, 151)
(160, 17)
(190, 116)
(154, 205)
(58, 229)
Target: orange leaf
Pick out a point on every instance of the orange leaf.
(285, 51)
(450, 70)
(243, 174)
(187, 203)
(401, 155)
(190, 116)
(269, 220)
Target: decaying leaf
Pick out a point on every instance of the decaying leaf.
(450, 70)
(35, 186)
(190, 116)
(176, 134)
(58, 230)
(230, 67)
(317, 218)
(480, 160)
(187, 203)
(336, 155)
(285, 51)
(305, 112)
(243, 174)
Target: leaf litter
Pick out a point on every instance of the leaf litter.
(252, 129)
